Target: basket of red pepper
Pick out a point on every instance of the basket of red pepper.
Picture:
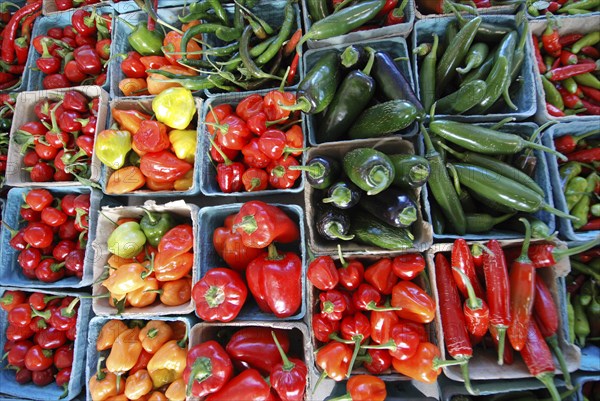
(33, 254)
(7, 102)
(440, 8)
(47, 333)
(53, 6)
(565, 54)
(72, 48)
(239, 355)
(62, 151)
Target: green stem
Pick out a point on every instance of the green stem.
(287, 364)
(548, 379)
(341, 256)
(524, 258)
(248, 224)
(502, 122)
(201, 370)
(369, 66)
(473, 302)
(553, 342)
(501, 330)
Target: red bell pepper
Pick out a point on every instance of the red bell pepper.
(422, 366)
(208, 369)
(163, 166)
(260, 224)
(219, 295)
(248, 385)
(377, 361)
(351, 273)
(381, 276)
(254, 347)
(322, 273)
(228, 244)
(288, 377)
(408, 266)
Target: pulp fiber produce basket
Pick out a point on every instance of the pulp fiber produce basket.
(483, 365)
(521, 92)
(22, 85)
(10, 271)
(212, 217)
(511, 7)
(566, 25)
(506, 231)
(566, 229)
(129, 6)
(145, 106)
(423, 237)
(542, 12)
(24, 112)
(51, 391)
(62, 19)
(179, 209)
(221, 332)
(396, 47)
(403, 29)
(49, 6)
(208, 176)
(96, 324)
(367, 259)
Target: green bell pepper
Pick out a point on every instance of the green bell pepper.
(155, 225)
(127, 240)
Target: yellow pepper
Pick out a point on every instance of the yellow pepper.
(124, 352)
(145, 295)
(176, 390)
(174, 107)
(103, 384)
(138, 384)
(184, 144)
(112, 147)
(109, 333)
(126, 278)
(185, 182)
(168, 364)
(155, 335)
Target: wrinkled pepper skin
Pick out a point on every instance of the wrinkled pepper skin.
(416, 304)
(127, 240)
(184, 144)
(421, 366)
(109, 333)
(163, 166)
(156, 225)
(125, 279)
(228, 244)
(154, 335)
(112, 147)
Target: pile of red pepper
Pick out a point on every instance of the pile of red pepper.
(61, 138)
(75, 54)
(568, 64)
(6, 114)
(256, 146)
(62, 5)
(378, 303)
(273, 278)
(236, 369)
(578, 7)
(39, 337)
(581, 184)
(52, 240)
(146, 360)
(15, 36)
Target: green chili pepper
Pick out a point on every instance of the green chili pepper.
(219, 11)
(221, 31)
(464, 99)
(127, 240)
(567, 171)
(441, 187)
(466, 201)
(480, 73)
(593, 315)
(582, 326)
(585, 269)
(571, 317)
(551, 94)
(155, 226)
(483, 222)
(587, 79)
(144, 41)
(586, 5)
(570, 85)
(475, 57)
(586, 293)
(427, 75)
(317, 9)
(438, 221)
(520, 54)
(581, 209)
(284, 33)
(591, 39)
(251, 69)
(575, 191)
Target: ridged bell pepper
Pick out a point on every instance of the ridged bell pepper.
(219, 295)
(145, 295)
(154, 335)
(275, 280)
(174, 268)
(228, 244)
(177, 292)
(112, 147)
(103, 384)
(125, 180)
(124, 352)
(168, 363)
(155, 225)
(259, 224)
(109, 333)
(175, 107)
(129, 120)
(138, 385)
(208, 369)
(163, 166)
(125, 279)
(151, 137)
(184, 144)
(126, 241)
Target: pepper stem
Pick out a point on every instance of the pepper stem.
(226, 159)
(287, 364)
(454, 175)
(44, 315)
(548, 379)
(339, 196)
(558, 213)
(502, 122)
(315, 170)
(553, 342)
(341, 256)
(473, 302)
(334, 229)
(357, 341)
(70, 310)
(201, 370)
(419, 173)
(390, 345)
(302, 104)
(464, 368)
(248, 224)
(7, 299)
(373, 307)
(100, 375)
(577, 138)
(369, 66)
(345, 397)
(150, 216)
(323, 376)
(273, 254)
(379, 178)
(335, 337)
(181, 343)
(546, 149)
(561, 253)
(523, 257)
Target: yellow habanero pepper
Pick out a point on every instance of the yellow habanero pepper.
(124, 352)
(126, 278)
(109, 333)
(155, 335)
(184, 144)
(185, 182)
(103, 384)
(145, 295)
(168, 364)
(138, 384)
(176, 390)
(174, 107)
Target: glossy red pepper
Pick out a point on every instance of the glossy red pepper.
(48, 63)
(351, 272)
(255, 179)
(323, 273)
(381, 276)
(538, 56)
(232, 132)
(551, 38)
(253, 157)
(591, 93)
(10, 31)
(569, 39)
(463, 260)
(408, 266)
(538, 358)
(16, 355)
(403, 342)
(14, 333)
(288, 377)
(413, 302)
(366, 297)
(65, 317)
(38, 359)
(88, 60)
(228, 244)
(63, 356)
(20, 315)
(280, 175)
(322, 327)
(594, 110)
(364, 388)
(208, 369)
(163, 166)
(50, 338)
(151, 137)
(333, 304)
(260, 224)
(219, 295)
(377, 361)
(562, 73)
(272, 102)
(249, 106)
(254, 347)
(84, 22)
(12, 298)
(423, 365)
(334, 359)
(547, 255)
(477, 312)
(132, 67)
(248, 385)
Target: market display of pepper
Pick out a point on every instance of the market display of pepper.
(436, 207)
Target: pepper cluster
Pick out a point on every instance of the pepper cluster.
(568, 64)
(580, 185)
(53, 238)
(583, 299)
(6, 114)
(76, 54)
(225, 370)
(15, 36)
(62, 5)
(154, 152)
(273, 278)
(537, 8)
(145, 358)
(62, 138)
(40, 334)
(442, 6)
(150, 257)
(376, 303)
(257, 145)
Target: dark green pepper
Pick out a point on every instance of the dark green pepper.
(317, 9)
(427, 76)
(465, 198)
(475, 57)
(586, 293)
(483, 222)
(144, 41)
(321, 171)
(155, 225)
(369, 169)
(480, 73)
(464, 99)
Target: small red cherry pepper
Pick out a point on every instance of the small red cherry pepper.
(12, 298)
(280, 175)
(323, 328)
(351, 273)
(408, 266)
(288, 377)
(333, 304)
(381, 276)
(208, 369)
(249, 106)
(255, 179)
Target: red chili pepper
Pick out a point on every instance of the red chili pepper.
(280, 175)
(228, 244)
(323, 328)
(591, 108)
(547, 255)
(454, 326)
(477, 313)
(568, 58)
(351, 273)
(554, 111)
(219, 295)
(590, 51)
(570, 100)
(232, 132)
(462, 259)
(294, 139)
(293, 69)
(47, 63)
(272, 102)
(366, 297)
(381, 325)
(273, 144)
(84, 22)
(592, 93)
(255, 179)
(551, 38)
(253, 157)
(333, 304)
(288, 377)
(151, 137)
(208, 369)
(396, 16)
(12, 298)
(423, 365)
(569, 39)
(38, 359)
(381, 276)
(538, 359)
(323, 273)
(88, 60)
(562, 73)
(63, 357)
(73, 74)
(568, 143)
(55, 81)
(103, 48)
(587, 256)
(364, 387)
(403, 342)
(10, 31)
(132, 67)
(66, 317)
(260, 224)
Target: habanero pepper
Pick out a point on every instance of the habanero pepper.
(259, 224)
(103, 384)
(208, 369)
(413, 302)
(154, 335)
(377, 361)
(109, 333)
(12, 298)
(363, 388)
(403, 342)
(228, 245)
(151, 137)
(229, 173)
(281, 176)
(351, 273)
(422, 366)
(173, 268)
(163, 166)
(124, 352)
(255, 179)
(334, 358)
(381, 276)
(168, 363)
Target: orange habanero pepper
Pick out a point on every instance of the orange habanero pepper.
(125, 352)
(138, 384)
(176, 292)
(109, 333)
(103, 384)
(154, 335)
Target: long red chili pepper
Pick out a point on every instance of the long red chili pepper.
(587, 256)
(547, 255)
(522, 290)
(585, 155)
(477, 313)
(592, 93)
(568, 143)
(496, 281)
(538, 55)
(570, 100)
(562, 73)
(567, 40)
(454, 326)
(27, 25)
(538, 359)
(546, 315)
(554, 111)
(592, 109)
(10, 32)
(590, 51)
(463, 261)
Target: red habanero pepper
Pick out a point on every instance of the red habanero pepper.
(477, 313)
(254, 347)
(232, 132)
(132, 67)
(423, 365)
(568, 143)
(66, 317)
(219, 295)
(12, 298)
(151, 137)
(280, 175)
(253, 157)
(456, 336)
(288, 377)
(413, 302)
(230, 153)
(381, 276)
(272, 102)
(273, 143)
(562, 73)
(10, 31)
(569, 39)
(260, 224)
(334, 358)
(522, 291)
(408, 266)
(322, 273)
(208, 369)
(333, 304)
(546, 317)
(364, 388)
(403, 342)
(248, 385)
(381, 325)
(228, 244)
(294, 139)
(377, 361)
(366, 297)
(217, 114)
(249, 106)
(463, 261)
(538, 56)
(538, 359)
(591, 109)
(551, 38)
(255, 179)
(323, 328)
(163, 166)
(593, 94)
(229, 173)
(351, 273)
(176, 241)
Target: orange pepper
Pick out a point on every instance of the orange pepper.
(119, 397)
(156, 82)
(176, 292)
(172, 44)
(172, 268)
(179, 330)
(116, 261)
(109, 333)
(144, 295)
(129, 120)
(168, 363)
(157, 396)
(154, 62)
(133, 86)
(126, 278)
(103, 384)
(124, 180)
(159, 186)
(125, 352)
(154, 335)
(138, 384)
(176, 390)
(118, 301)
